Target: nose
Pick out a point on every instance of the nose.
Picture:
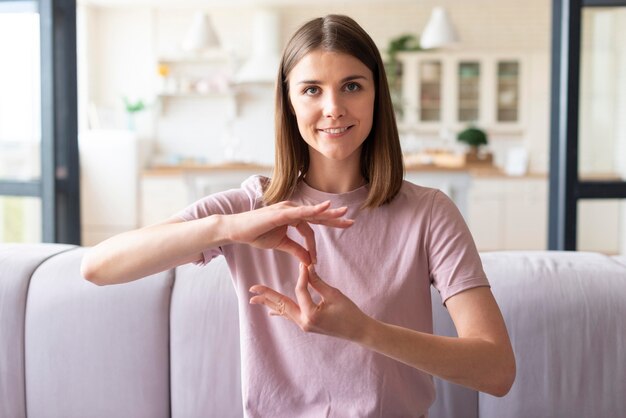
(334, 107)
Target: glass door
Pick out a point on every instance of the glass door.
(602, 126)
(39, 178)
(20, 122)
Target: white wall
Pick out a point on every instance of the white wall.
(128, 41)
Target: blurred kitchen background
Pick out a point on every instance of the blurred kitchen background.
(175, 101)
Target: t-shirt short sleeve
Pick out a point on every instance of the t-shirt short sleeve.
(453, 259)
(244, 199)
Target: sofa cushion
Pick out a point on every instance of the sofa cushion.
(96, 352)
(565, 314)
(205, 356)
(17, 264)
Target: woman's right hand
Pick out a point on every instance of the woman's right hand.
(267, 227)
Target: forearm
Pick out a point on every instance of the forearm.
(139, 253)
(483, 365)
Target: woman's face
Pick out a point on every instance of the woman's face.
(332, 95)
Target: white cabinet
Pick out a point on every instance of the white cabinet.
(164, 193)
(509, 213)
(455, 184)
(452, 90)
(110, 161)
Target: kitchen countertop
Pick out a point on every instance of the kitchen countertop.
(473, 170)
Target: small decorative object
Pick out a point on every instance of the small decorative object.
(475, 138)
(516, 161)
(131, 109)
(163, 70)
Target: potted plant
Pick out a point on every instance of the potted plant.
(131, 109)
(475, 138)
(393, 68)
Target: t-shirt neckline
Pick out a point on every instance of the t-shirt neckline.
(357, 195)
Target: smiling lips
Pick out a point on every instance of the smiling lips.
(335, 131)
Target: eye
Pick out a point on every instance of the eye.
(351, 87)
(311, 91)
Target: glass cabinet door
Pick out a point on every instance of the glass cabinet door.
(430, 80)
(507, 98)
(469, 91)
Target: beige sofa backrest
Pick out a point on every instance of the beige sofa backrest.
(168, 345)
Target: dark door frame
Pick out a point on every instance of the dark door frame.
(566, 188)
(58, 186)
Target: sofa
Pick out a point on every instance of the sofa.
(167, 345)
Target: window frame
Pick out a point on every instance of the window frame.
(59, 184)
(565, 186)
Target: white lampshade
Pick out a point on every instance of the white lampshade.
(201, 35)
(439, 31)
(263, 62)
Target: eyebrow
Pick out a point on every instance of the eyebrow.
(343, 80)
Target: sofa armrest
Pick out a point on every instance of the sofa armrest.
(96, 351)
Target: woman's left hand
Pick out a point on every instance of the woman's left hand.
(335, 315)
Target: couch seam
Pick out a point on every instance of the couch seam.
(30, 278)
(619, 263)
(169, 339)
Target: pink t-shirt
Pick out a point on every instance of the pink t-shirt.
(386, 263)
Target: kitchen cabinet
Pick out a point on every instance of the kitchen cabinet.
(509, 213)
(162, 195)
(167, 190)
(452, 90)
(502, 212)
(110, 161)
(454, 183)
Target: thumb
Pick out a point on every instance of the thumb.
(290, 246)
(317, 283)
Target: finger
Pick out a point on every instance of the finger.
(319, 214)
(289, 246)
(278, 303)
(336, 223)
(318, 284)
(329, 214)
(305, 301)
(303, 211)
(309, 236)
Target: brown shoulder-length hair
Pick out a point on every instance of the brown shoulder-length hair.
(381, 155)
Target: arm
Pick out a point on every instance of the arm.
(142, 252)
(135, 254)
(480, 358)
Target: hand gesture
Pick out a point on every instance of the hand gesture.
(336, 315)
(266, 228)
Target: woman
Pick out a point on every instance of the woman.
(356, 267)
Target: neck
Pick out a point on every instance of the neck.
(334, 176)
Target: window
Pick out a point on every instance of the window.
(588, 139)
(39, 198)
